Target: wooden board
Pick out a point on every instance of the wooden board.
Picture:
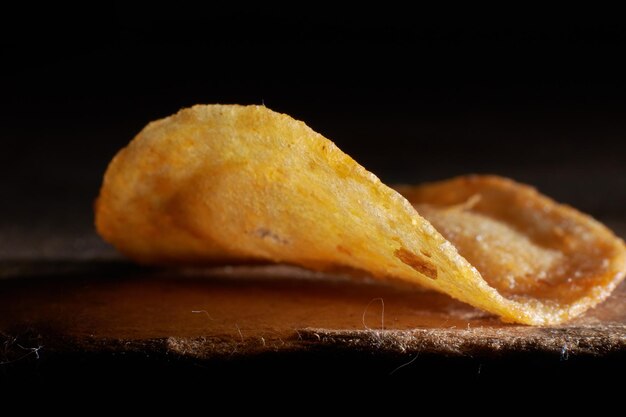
(71, 308)
(242, 311)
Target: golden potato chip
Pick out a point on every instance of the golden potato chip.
(225, 183)
(529, 248)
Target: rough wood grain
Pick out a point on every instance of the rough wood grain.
(111, 306)
(71, 309)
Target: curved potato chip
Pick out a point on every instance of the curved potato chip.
(236, 183)
(525, 245)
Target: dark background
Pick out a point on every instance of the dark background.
(412, 96)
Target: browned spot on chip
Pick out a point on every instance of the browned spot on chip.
(417, 262)
(345, 250)
(426, 253)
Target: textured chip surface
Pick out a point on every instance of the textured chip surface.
(228, 183)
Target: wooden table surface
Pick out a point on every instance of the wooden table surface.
(99, 308)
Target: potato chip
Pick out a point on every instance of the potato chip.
(532, 250)
(228, 183)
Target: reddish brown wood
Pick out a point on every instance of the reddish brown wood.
(230, 312)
